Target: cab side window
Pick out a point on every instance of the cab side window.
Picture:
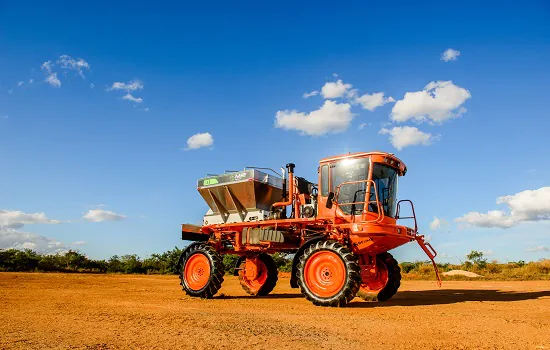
(324, 180)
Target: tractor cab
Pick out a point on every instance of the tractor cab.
(362, 185)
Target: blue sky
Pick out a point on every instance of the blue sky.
(471, 129)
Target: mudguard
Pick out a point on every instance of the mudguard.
(296, 259)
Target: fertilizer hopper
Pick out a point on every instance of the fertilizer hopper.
(240, 196)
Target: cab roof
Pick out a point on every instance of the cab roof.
(378, 156)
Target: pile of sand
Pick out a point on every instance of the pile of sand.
(461, 273)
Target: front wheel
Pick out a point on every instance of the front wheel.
(202, 271)
(329, 274)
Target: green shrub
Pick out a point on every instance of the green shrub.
(229, 261)
(167, 263)
(283, 261)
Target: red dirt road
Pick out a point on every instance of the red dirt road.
(75, 311)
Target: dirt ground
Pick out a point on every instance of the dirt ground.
(76, 311)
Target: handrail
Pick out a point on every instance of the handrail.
(260, 168)
(431, 253)
(380, 209)
(397, 217)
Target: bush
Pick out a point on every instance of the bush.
(407, 267)
(19, 260)
(229, 261)
(283, 261)
(167, 263)
(491, 271)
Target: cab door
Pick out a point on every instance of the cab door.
(324, 190)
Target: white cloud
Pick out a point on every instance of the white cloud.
(10, 238)
(488, 252)
(51, 77)
(493, 218)
(47, 66)
(438, 223)
(405, 136)
(332, 117)
(310, 94)
(529, 205)
(31, 81)
(200, 140)
(53, 80)
(450, 55)
(371, 102)
(6, 116)
(445, 256)
(68, 63)
(539, 248)
(78, 243)
(95, 206)
(17, 219)
(29, 245)
(335, 89)
(132, 85)
(362, 126)
(438, 101)
(20, 83)
(99, 215)
(92, 85)
(128, 86)
(131, 98)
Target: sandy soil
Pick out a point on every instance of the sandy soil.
(75, 311)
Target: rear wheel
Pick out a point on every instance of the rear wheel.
(385, 283)
(329, 274)
(202, 271)
(265, 278)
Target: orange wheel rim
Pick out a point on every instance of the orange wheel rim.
(377, 283)
(197, 271)
(325, 274)
(257, 283)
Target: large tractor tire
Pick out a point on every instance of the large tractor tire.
(386, 282)
(266, 277)
(202, 271)
(329, 274)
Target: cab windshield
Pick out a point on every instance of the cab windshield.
(350, 170)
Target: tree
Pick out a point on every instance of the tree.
(131, 263)
(75, 260)
(477, 258)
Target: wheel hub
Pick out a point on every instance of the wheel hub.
(325, 274)
(197, 271)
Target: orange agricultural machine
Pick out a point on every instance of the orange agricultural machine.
(339, 230)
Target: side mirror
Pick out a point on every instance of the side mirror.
(330, 199)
